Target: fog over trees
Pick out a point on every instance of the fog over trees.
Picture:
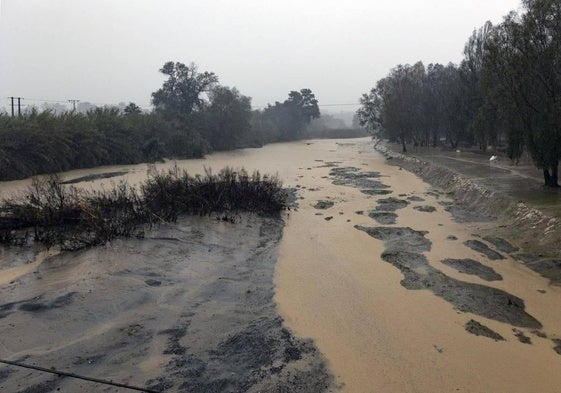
(505, 93)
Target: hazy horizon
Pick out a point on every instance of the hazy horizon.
(106, 52)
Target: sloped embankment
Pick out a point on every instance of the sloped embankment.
(536, 233)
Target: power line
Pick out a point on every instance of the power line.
(73, 103)
(320, 105)
(72, 375)
(43, 100)
(19, 104)
(144, 105)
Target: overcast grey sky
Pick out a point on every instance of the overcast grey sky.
(107, 51)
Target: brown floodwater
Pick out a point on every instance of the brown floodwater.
(331, 283)
(333, 286)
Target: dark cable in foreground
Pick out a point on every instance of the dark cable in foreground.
(71, 375)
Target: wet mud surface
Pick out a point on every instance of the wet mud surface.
(405, 239)
(391, 204)
(384, 218)
(501, 244)
(470, 266)
(519, 334)
(323, 205)
(365, 181)
(187, 309)
(478, 329)
(484, 249)
(425, 208)
(403, 250)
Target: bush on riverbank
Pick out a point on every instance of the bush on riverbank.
(45, 142)
(54, 214)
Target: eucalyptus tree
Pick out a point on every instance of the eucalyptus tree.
(395, 105)
(182, 91)
(523, 59)
(229, 118)
(479, 109)
(293, 115)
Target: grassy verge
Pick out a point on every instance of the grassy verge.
(56, 214)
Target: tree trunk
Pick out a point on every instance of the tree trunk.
(550, 176)
(554, 176)
(403, 148)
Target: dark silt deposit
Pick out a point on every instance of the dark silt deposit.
(415, 198)
(391, 204)
(470, 266)
(557, 347)
(384, 218)
(323, 205)
(365, 181)
(195, 314)
(501, 244)
(521, 336)
(376, 192)
(399, 238)
(478, 329)
(425, 208)
(484, 249)
(404, 248)
(478, 299)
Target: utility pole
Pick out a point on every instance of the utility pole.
(19, 105)
(74, 103)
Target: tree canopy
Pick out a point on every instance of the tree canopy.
(193, 115)
(182, 91)
(293, 115)
(506, 92)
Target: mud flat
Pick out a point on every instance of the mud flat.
(189, 308)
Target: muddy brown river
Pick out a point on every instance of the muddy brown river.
(370, 285)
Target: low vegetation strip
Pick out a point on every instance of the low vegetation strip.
(54, 214)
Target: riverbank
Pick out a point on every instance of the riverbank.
(187, 309)
(526, 212)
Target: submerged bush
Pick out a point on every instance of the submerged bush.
(63, 215)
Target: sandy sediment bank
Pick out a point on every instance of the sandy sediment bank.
(189, 308)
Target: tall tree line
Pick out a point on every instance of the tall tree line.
(506, 92)
(193, 115)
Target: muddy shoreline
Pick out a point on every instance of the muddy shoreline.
(535, 234)
(187, 309)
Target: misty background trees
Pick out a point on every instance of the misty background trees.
(504, 95)
(193, 115)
